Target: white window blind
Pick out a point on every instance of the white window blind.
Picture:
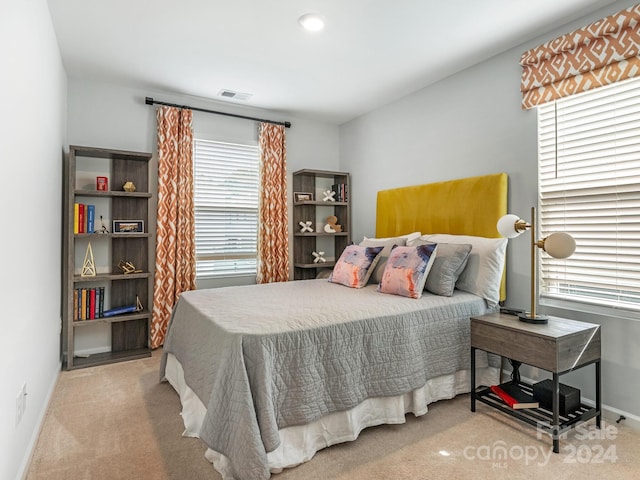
(589, 180)
(226, 208)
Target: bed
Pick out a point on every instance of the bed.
(269, 374)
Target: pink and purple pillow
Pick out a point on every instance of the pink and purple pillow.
(406, 271)
(355, 266)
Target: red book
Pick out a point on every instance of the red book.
(92, 304)
(512, 395)
(81, 220)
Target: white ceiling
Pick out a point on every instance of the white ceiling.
(370, 53)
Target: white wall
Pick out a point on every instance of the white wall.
(33, 99)
(114, 116)
(468, 124)
(471, 124)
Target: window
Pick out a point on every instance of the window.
(226, 208)
(589, 180)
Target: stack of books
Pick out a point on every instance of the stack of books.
(83, 218)
(341, 192)
(88, 303)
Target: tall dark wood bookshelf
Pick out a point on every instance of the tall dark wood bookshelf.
(129, 332)
(316, 211)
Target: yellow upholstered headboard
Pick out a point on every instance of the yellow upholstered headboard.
(466, 206)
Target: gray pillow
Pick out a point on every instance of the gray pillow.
(451, 258)
(483, 273)
(388, 244)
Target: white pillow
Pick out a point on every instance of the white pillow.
(483, 273)
(407, 238)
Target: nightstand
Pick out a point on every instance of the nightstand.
(559, 347)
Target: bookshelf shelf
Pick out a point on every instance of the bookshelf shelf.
(322, 204)
(99, 236)
(127, 335)
(125, 317)
(315, 265)
(97, 194)
(322, 234)
(111, 276)
(111, 357)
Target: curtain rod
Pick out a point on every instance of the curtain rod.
(151, 101)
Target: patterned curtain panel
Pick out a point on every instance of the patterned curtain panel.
(175, 238)
(605, 52)
(273, 223)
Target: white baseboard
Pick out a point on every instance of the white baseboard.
(611, 414)
(614, 415)
(28, 454)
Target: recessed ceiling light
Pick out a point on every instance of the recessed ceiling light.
(312, 22)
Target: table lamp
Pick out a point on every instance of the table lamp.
(558, 245)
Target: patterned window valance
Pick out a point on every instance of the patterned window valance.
(604, 52)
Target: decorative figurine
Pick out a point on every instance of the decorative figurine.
(103, 229)
(329, 196)
(139, 306)
(127, 267)
(306, 226)
(129, 187)
(318, 257)
(331, 226)
(89, 266)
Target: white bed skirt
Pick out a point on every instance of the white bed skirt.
(299, 444)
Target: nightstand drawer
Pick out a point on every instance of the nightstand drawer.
(559, 346)
(521, 346)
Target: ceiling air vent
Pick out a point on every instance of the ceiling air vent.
(234, 95)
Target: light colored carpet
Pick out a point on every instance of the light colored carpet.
(118, 422)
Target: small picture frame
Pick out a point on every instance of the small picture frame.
(128, 226)
(299, 197)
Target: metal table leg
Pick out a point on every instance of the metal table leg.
(555, 427)
(598, 394)
(473, 379)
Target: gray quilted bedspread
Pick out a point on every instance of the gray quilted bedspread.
(265, 357)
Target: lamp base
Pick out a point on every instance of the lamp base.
(527, 317)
